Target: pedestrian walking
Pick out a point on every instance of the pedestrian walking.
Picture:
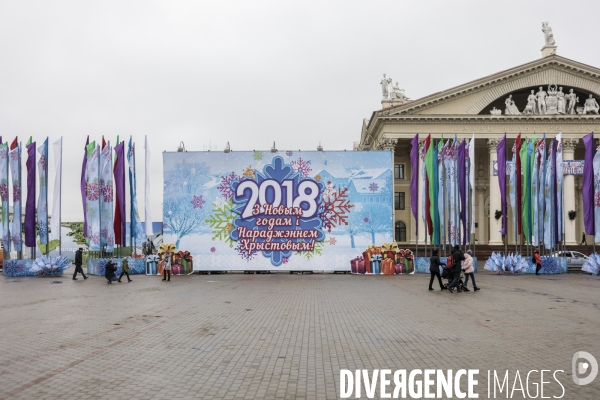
(538, 261)
(434, 269)
(124, 269)
(583, 239)
(167, 267)
(78, 262)
(150, 247)
(455, 262)
(109, 272)
(469, 271)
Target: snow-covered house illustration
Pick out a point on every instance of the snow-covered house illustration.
(334, 173)
(368, 190)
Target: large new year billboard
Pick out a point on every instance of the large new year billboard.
(277, 211)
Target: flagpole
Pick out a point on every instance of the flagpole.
(60, 202)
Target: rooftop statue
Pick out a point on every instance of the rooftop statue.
(398, 93)
(548, 36)
(591, 106)
(385, 82)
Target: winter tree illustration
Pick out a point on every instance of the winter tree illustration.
(376, 218)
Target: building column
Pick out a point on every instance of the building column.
(568, 148)
(482, 185)
(390, 145)
(495, 201)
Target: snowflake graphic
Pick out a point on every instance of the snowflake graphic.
(3, 154)
(43, 226)
(43, 162)
(285, 259)
(212, 249)
(104, 232)
(107, 192)
(197, 202)
(335, 207)
(373, 187)
(16, 192)
(302, 166)
(332, 241)
(249, 172)
(317, 251)
(14, 155)
(14, 268)
(92, 191)
(17, 241)
(4, 192)
(110, 241)
(245, 253)
(220, 220)
(258, 155)
(289, 153)
(225, 186)
(94, 239)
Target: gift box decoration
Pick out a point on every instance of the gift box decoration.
(360, 266)
(152, 265)
(389, 250)
(177, 269)
(387, 266)
(185, 258)
(376, 263)
(354, 265)
(400, 269)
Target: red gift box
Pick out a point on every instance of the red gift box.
(387, 266)
(400, 269)
(360, 267)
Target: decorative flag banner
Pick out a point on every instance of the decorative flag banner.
(597, 194)
(93, 194)
(455, 195)
(441, 191)
(461, 161)
(414, 182)
(83, 185)
(137, 230)
(29, 225)
(119, 174)
(541, 187)
(431, 182)
(299, 211)
(42, 205)
(472, 184)
(15, 172)
(534, 191)
(588, 185)
(56, 202)
(501, 156)
(427, 187)
(424, 196)
(107, 233)
(526, 163)
(434, 200)
(4, 193)
(147, 209)
(554, 192)
(512, 190)
(559, 188)
(519, 187)
(549, 188)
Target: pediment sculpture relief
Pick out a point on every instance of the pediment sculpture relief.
(550, 102)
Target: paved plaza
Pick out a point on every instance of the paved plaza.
(283, 336)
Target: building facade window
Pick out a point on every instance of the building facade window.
(399, 171)
(399, 201)
(400, 231)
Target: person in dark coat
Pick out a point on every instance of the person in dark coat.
(109, 272)
(538, 261)
(434, 269)
(78, 262)
(150, 247)
(457, 257)
(124, 269)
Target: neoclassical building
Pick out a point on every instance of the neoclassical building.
(508, 102)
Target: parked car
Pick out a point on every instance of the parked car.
(573, 257)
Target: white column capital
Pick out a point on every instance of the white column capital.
(387, 144)
(569, 144)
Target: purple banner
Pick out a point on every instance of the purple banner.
(29, 225)
(588, 185)
(414, 181)
(462, 187)
(501, 154)
(120, 217)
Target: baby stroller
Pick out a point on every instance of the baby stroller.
(449, 276)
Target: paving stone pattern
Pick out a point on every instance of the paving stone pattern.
(280, 335)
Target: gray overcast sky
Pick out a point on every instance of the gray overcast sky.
(249, 72)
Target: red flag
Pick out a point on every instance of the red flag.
(519, 189)
(14, 144)
(103, 142)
